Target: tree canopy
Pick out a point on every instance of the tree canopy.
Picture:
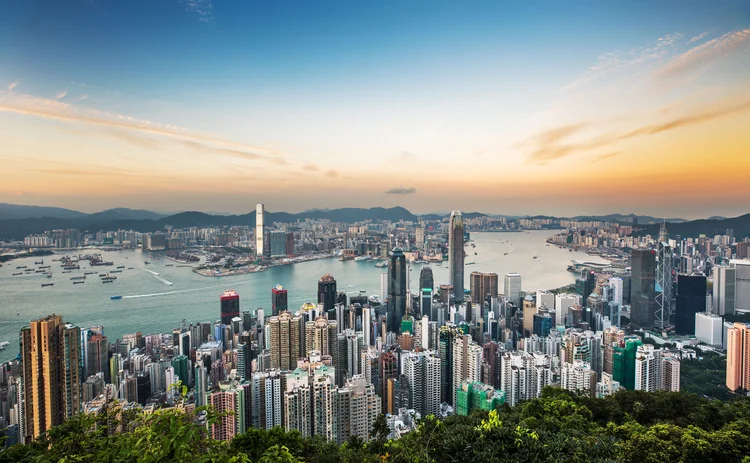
(560, 426)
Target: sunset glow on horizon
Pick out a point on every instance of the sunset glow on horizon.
(546, 108)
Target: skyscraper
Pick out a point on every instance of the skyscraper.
(642, 288)
(285, 340)
(742, 285)
(396, 290)
(259, 232)
(327, 293)
(456, 254)
(426, 279)
(513, 288)
(723, 290)
(738, 357)
(475, 287)
(230, 306)
(50, 359)
(278, 300)
(691, 299)
(664, 283)
(422, 370)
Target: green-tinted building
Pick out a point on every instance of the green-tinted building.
(407, 324)
(180, 365)
(623, 363)
(477, 396)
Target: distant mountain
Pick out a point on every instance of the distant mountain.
(716, 217)
(122, 213)
(626, 218)
(709, 227)
(145, 221)
(15, 211)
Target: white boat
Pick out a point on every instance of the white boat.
(4, 344)
(361, 258)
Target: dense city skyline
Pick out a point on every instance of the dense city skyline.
(554, 109)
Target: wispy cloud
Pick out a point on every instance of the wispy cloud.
(118, 124)
(602, 157)
(705, 53)
(697, 37)
(310, 167)
(332, 173)
(401, 191)
(84, 97)
(61, 95)
(203, 8)
(572, 139)
(615, 60)
(12, 86)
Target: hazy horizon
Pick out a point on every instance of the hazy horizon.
(548, 108)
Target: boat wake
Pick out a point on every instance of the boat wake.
(150, 271)
(179, 291)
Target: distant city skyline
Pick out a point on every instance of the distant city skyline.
(554, 109)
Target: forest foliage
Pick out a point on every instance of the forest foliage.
(560, 426)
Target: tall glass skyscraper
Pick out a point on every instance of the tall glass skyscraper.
(396, 290)
(456, 254)
(643, 287)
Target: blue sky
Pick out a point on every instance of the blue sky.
(423, 90)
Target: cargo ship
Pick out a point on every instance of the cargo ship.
(20, 266)
(78, 282)
(106, 280)
(47, 284)
(115, 298)
(82, 277)
(16, 274)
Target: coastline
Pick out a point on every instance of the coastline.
(248, 269)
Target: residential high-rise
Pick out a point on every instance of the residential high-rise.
(97, 356)
(578, 376)
(512, 290)
(50, 357)
(643, 288)
(724, 290)
(524, 375)
(278, 300)
(267, 399)
(422, 371)
(259, 231)
(285, 340)
(320, 336)
(230, 306)
(456, 254)
(654, 371)
(467, 363)
(357, 408)
(396, 290)
(623, 363)
(477, 396)
(691, 299)
(738, 357)
(229, 401)
(327, 294)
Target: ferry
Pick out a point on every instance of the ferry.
(47, 284)
(116, 298)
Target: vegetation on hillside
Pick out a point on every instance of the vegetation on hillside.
(631, 426)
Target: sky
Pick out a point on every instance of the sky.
(542, 107)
